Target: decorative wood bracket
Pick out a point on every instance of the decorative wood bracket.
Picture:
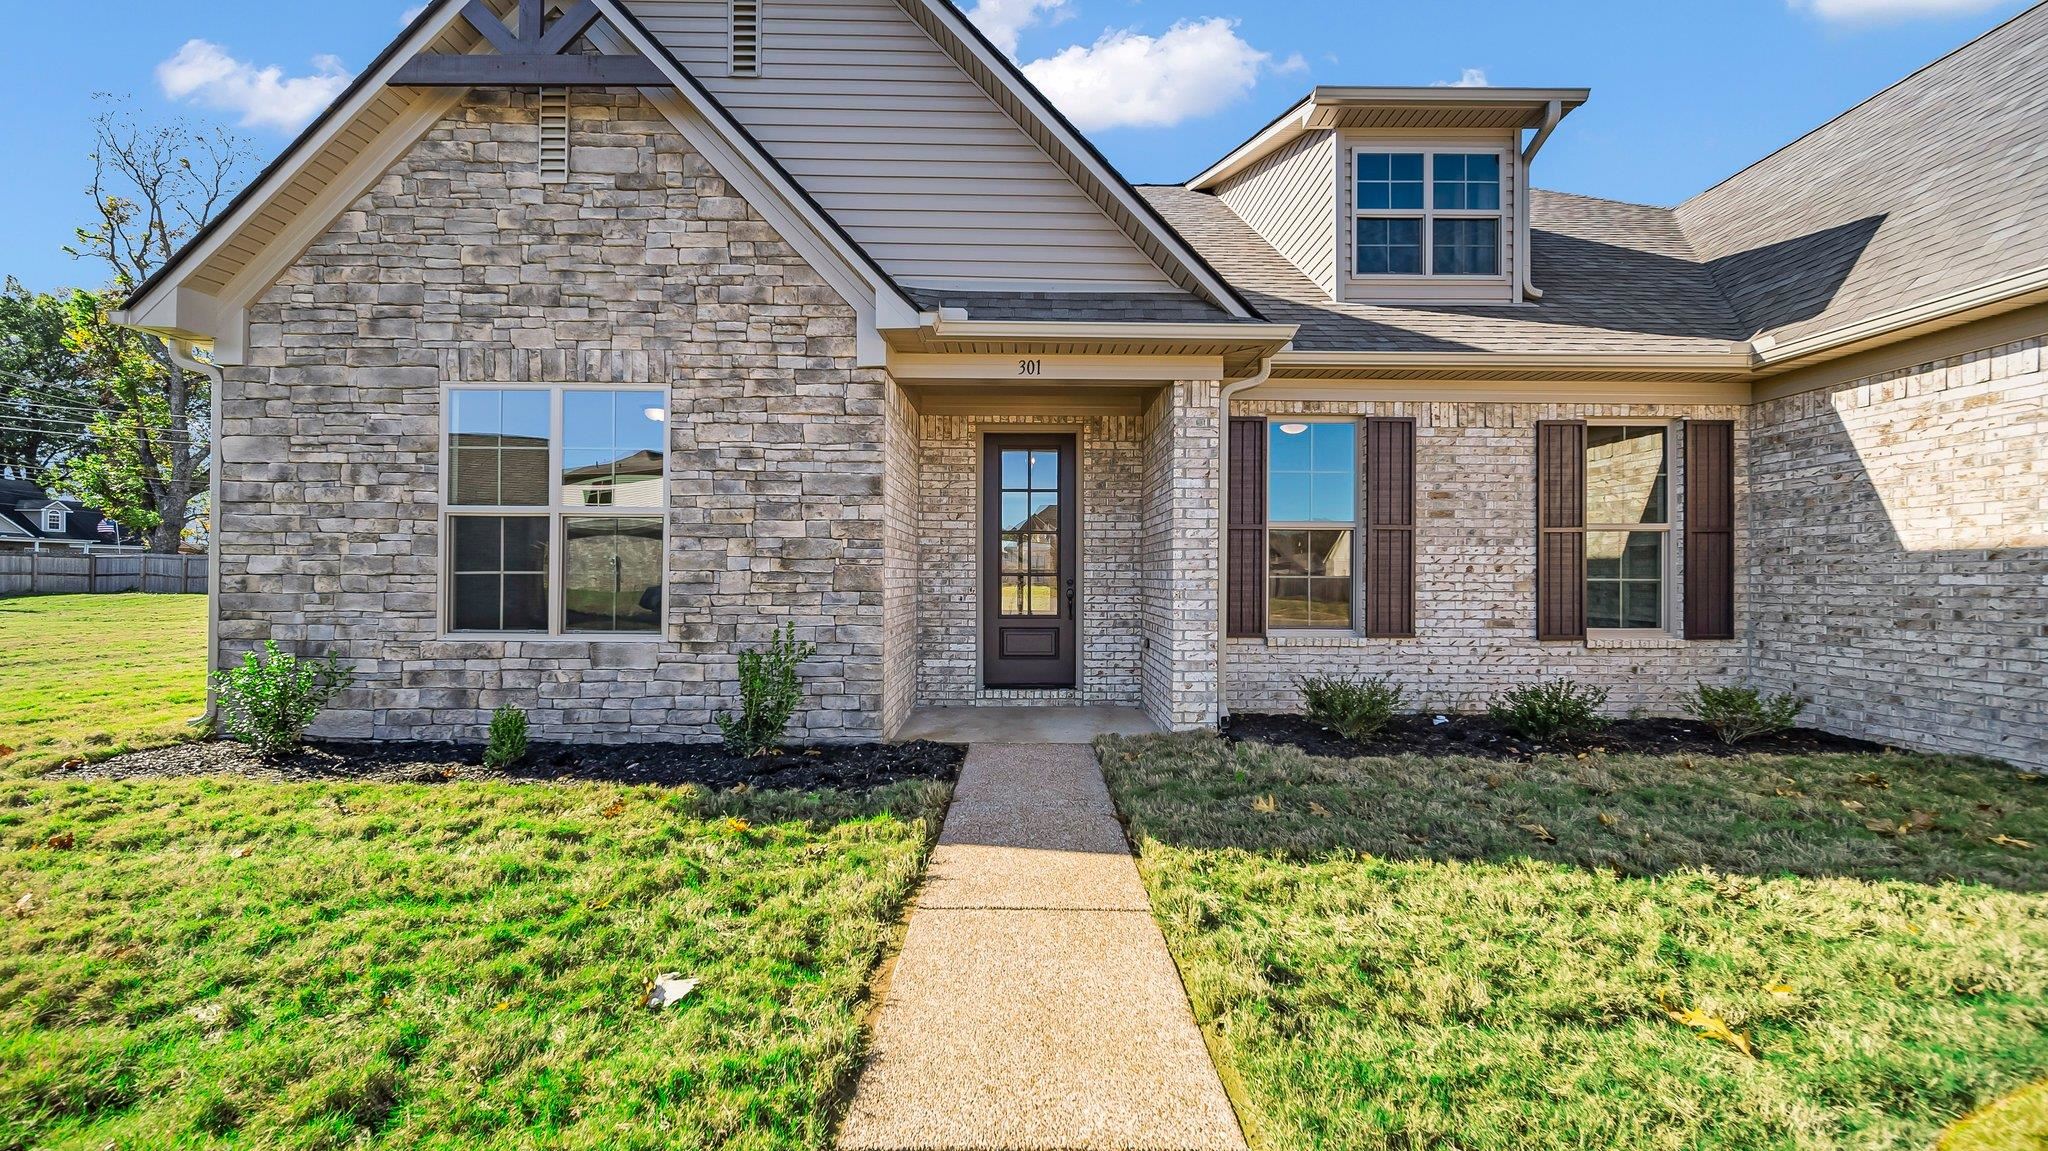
(530, 56)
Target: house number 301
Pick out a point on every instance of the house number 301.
(1030, 367)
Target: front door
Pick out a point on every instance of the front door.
(1028, 568)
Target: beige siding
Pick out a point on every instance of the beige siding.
(903, 149)
(1290, 198)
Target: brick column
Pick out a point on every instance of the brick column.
(1180, 605)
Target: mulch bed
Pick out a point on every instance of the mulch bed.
(837, 767)
(1476, 735)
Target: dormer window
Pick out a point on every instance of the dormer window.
(1427, 213)
(53, 519)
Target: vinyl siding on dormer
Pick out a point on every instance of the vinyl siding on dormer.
(1290, 198)
(900, 146)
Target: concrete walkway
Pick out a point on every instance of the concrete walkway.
(1034, 1005)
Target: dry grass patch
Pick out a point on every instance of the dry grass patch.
(1577, 952)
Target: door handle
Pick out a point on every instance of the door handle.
(1070, 599)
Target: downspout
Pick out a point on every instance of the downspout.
(1551, 115)
(182, 355)
(1230, 388)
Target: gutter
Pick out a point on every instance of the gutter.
(1956, 308)
(182, 355)
(1552, 114)
(1230, 389)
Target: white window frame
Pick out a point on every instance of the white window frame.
(555, 510)
(1667, 601)
(1272, 525)
(1429, 213)
(53, 519)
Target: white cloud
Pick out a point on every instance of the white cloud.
(204, 73)
(411, 14)
(1857, 11)
(1127, 79)
(1003, 20)
(1469, 78)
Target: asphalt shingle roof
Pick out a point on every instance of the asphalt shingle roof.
(1934, 185)
(1615, 278)
(1080, 307)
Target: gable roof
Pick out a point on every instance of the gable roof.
(197, 293)
(1931, 190)
(1618, 279)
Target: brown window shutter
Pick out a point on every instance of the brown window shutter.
(1709, 587)
(1246, 583)
(1560, 529)
(1389, 527)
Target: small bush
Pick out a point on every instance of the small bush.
(769, 693)
(1354, 707)
(507, 745)
(1547, 710)
(268, 701)
(1738, 713)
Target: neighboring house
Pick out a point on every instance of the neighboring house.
(929, 380)
(32, 518)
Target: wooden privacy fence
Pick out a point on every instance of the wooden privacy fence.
(52, 573)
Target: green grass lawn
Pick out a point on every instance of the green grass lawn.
(227, 963)
(1409, 953)
(89, 676)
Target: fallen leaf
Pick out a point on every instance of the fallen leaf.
(668, 989)
(63, 841)
(1607, 820)
(1912, 929)
(617, 809)
(1711, 1027)
(1265, 804)
(1779, 990)
(1539, 831)
(736, 825)
(1920, 820)
(1852, 805)
(1315, 808)
(1871, 779)
(1883, 827)
(1790, 793)
(2004, 840)
(503, 1005)
(5, 751)
(242, 852)
(23, 907)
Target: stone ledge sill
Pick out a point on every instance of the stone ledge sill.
(1634, 642)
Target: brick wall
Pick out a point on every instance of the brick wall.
(1900, 559)
(1181, 506)
(644, 269)
(948, 590)
(902, 493)
(1475, 599)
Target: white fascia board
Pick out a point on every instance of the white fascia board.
(1271, 138)
(1735, 359)
(1977, 302)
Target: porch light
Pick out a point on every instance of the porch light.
(1293, 429)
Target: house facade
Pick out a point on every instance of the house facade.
(579, 346)
(33, 519)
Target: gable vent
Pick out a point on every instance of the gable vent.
(554, 135)
(746, 37)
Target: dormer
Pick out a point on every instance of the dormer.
(1398, 195)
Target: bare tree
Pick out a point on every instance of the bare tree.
(154, 186)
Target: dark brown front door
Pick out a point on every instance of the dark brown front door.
(1028, 569)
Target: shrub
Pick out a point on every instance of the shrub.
(1549, 709)
(1737, 713)
(1354, 707)
(507, 744)
(769, 693)
(268, 701)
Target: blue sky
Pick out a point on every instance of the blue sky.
(1684, 93)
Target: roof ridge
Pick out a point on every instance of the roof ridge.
(1845, 113)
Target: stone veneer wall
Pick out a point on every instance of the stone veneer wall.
(645, 268)
(902, 493)
(948, 591)
(1900, 554)
(1475, 594)
(1182, 510)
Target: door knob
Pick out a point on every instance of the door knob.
(1070, 598)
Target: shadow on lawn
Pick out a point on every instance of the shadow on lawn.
(1895, 816)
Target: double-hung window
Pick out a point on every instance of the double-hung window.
(1427, 213)
(1312, 509)
(555, 507)
(1628, 525)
